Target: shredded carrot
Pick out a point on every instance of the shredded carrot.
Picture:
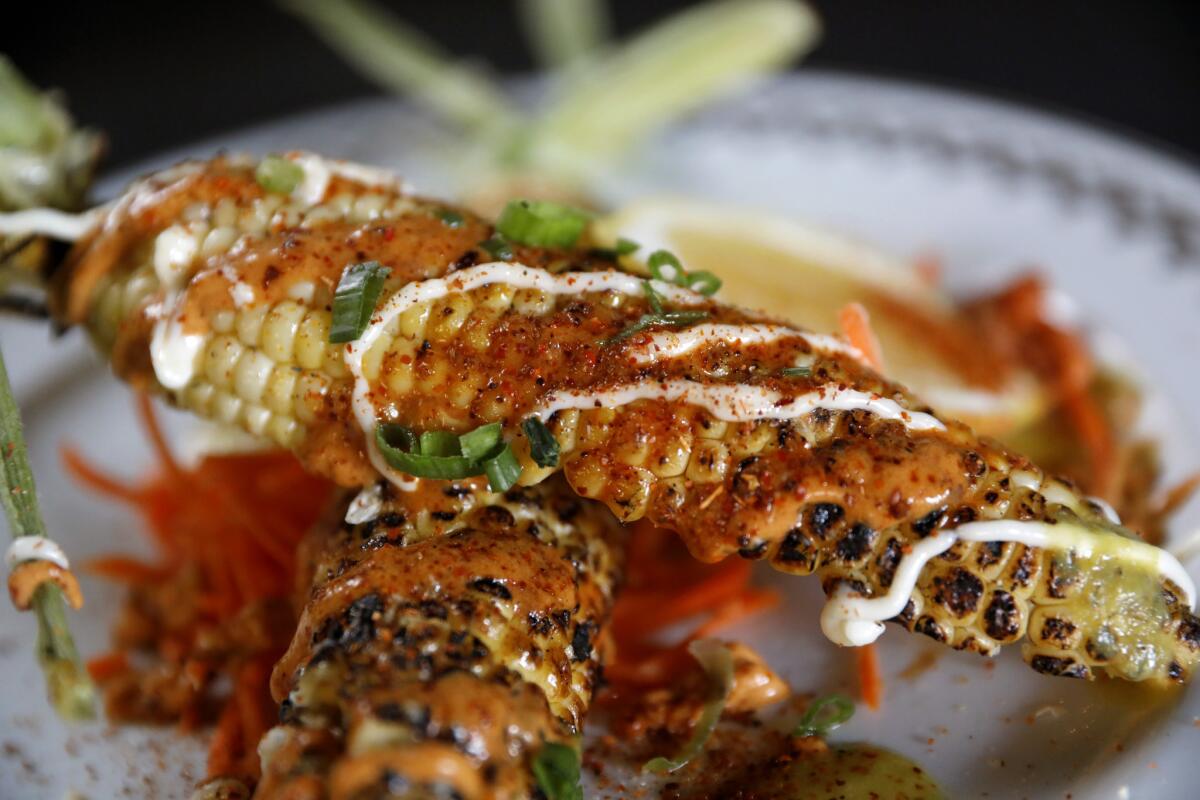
(870, 679)
(227, 530)
(856, 326)
(104, 667)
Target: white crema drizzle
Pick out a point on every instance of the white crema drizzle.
(855, 621)
(673, 344)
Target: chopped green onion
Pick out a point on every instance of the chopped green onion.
(556, 769)
(419, 464)
(543, 447)
(355, 298)
(452, 219)
(824, 714)
(440, 443)
(623, 247)
(665, 266)
(502, 469)
(653, 298)
(479, 443)
(498, 247)
(674, 319)
(703, 281)
(717, 662)
(67, 681)
(541, 223)
(796, 372)
(279, 175)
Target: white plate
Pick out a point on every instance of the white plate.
(994, 188)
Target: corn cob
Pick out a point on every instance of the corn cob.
(741, 434)
(442, 644)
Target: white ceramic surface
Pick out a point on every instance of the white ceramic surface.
(992, 187)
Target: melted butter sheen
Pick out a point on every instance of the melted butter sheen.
(845, 772)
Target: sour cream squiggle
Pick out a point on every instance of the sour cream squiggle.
(49, 222)
(855, 621)
(741, 403)
(319, 171)
(673, 344)
(35, 548)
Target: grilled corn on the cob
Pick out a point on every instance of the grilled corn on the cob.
(442, 644)
(742, 434)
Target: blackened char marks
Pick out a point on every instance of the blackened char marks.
(856, 544)
(1002, 618)
(959, 592)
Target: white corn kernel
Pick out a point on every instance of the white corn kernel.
(226, 408)
(219, 240)
(251, 375)
(255, 419)
(223, 321)
(309, 396)
(284, 430)
(220, 359)
(250, 322)
(226, 213)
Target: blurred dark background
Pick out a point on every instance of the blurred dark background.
(160, 74)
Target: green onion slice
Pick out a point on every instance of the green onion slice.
(556, 769)
(392, 441)
(703, 281)
(541, 223)
(452, 219)
(796, 372)
(717, 662)
(480, 442)
(502, 469)
(665, 266)
(498, 247)
(277, 174)
(825, 714)
(543, 447)
(673, 319)
(355, 299)
(439, 443)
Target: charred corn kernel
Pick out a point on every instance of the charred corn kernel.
(709, 428)
(750, 439)
(280, 328)
(709, 461)
(672, 493)
(448, 316)
(221, 359)
(250, 322)
(671, 457)
(532, 302)
(312, 339)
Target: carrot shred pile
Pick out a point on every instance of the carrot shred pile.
(217, 601)
(666, 586)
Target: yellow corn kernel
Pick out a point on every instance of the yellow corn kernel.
(593, 427)
(448, 317)
(373, 358)
(412, 321)
(309, 396)
(312, 339)
(496, 296)
(225, 214)
(709, 428)
(219, 240)
(368, 207)
(280, 388)
(223, 321)
(198, 397)
(750, 438)
(280, 328)
(565, 427)
(709, 461)
(401, 360)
